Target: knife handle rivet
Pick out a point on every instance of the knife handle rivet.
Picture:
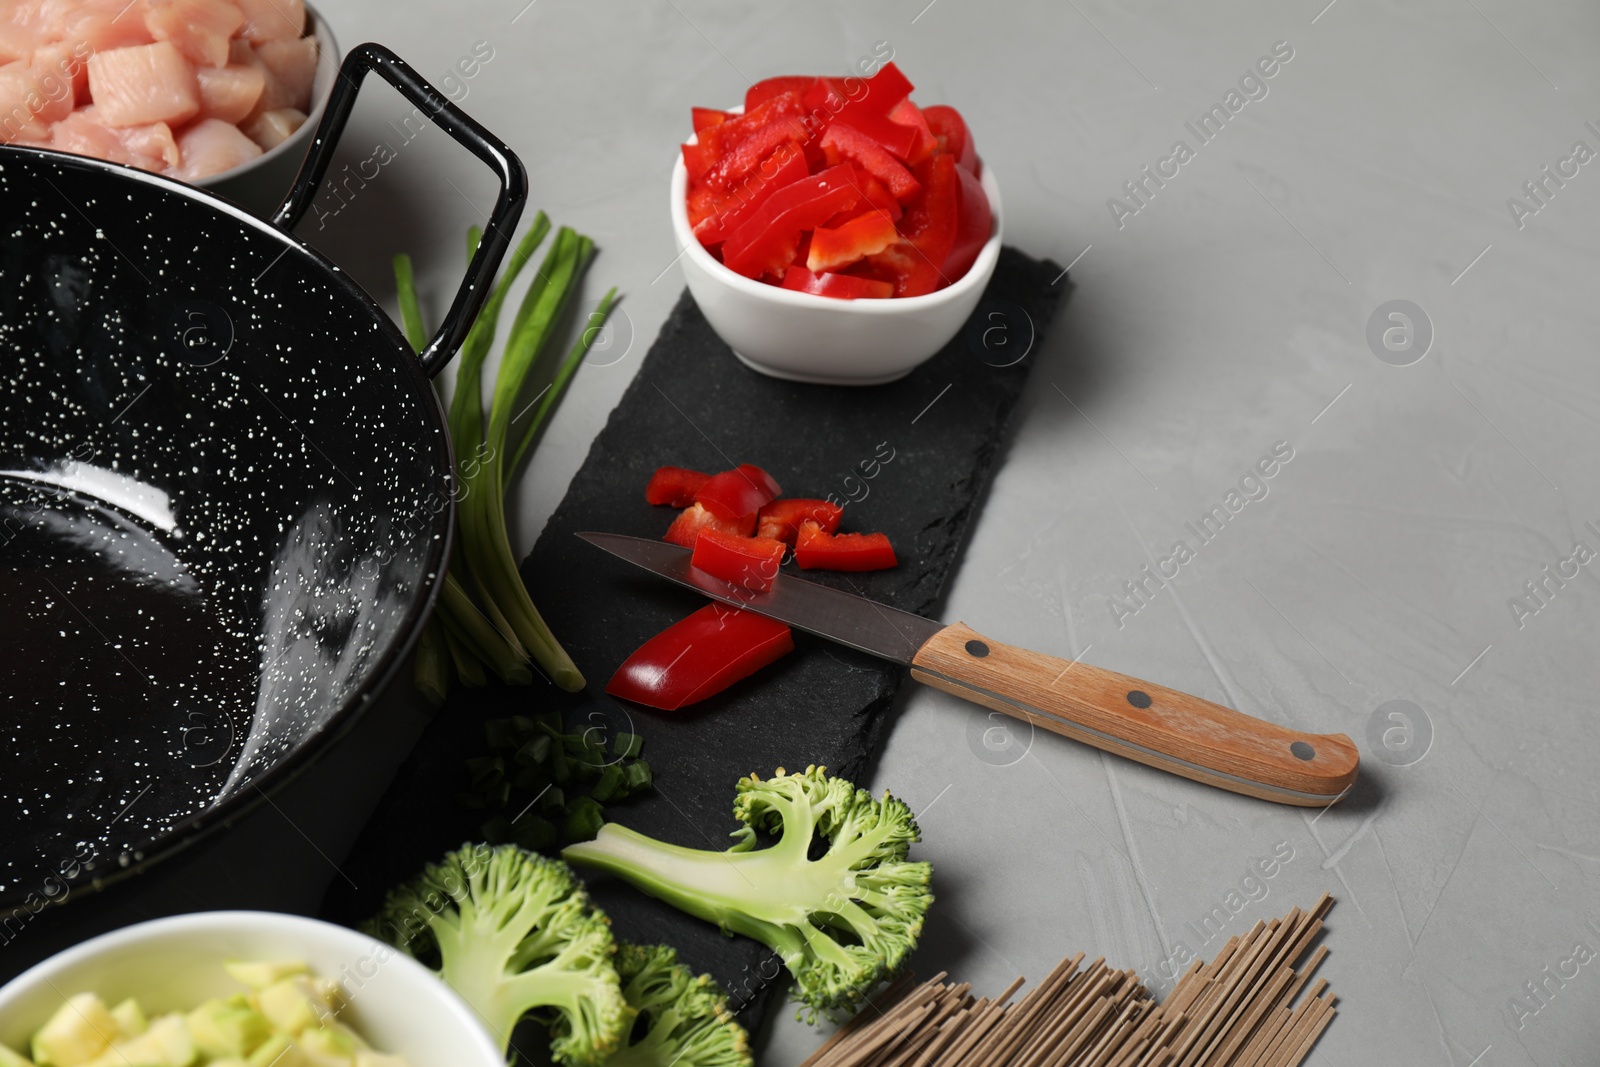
(1139, 698)
(1301, 750)
(977, 648)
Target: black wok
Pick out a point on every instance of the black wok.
(225, 498)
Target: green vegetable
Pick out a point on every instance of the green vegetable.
(567, 777)
(513, 932)
(80, 1030)
(683, 1019)
(486, 618)
(834, 896)
(284, 1019)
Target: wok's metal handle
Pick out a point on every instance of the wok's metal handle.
(483, 144)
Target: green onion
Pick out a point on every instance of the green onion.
(405, 285)
(486, 619)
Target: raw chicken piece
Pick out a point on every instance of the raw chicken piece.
(145, 84)
(80, 134)
(102, 24)
(271, 128)
(229, 93)
(21, 104)
(200, 29)
(17, 39)
(273, 20)
(293, 65)
(152, 147)
(212, 146)
(65, 61)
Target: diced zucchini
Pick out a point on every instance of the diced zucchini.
(80, 1030)
(223, 1029)
(258, 974)
(165, 1043)
(131, 1021)
(291, 1005)
(279, 1051)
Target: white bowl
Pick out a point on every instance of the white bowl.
(173, 964)
(809, 338)
(260, 185)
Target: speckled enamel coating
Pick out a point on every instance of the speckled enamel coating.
(225, 497)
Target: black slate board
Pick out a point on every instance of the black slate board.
(692, 404)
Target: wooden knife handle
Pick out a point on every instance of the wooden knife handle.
(1149, 723)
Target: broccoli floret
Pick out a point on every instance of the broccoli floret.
(842, 920)
(514, 932)
(683, 1020)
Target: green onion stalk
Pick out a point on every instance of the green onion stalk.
(486, 621)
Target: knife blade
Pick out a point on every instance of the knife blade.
(1140, 720)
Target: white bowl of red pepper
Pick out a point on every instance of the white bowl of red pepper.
(848, 323)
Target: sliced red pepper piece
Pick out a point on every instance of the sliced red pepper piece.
(954, 137)
(737, 493)
(878, 195)
(765, 242)
(699, 657)
(747, 562)
(730, 210)
(839, 286)
(674, 485)
(929, 231)
(767, 88)
(908, 114)
(972, 227)
(885, 89)
(781, 519)
(815, 550)
(694, 519)
(877, 96)
(833, 248)
(706, 117)
(842, 143)
(893, 137)
(730, 150)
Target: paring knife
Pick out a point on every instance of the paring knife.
(1149, 723)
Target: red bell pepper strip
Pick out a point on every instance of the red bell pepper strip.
(954, 137)
(877, 195)
(834, 248)
(674, 485)
(781, 519)
(766, 89)
(900, 140)
(877, 95)
(706, 117)
(972, 228)
(694, 518)
(815, 550)
(845, 143)
(699, 657)
(726, 152)
(737, 493)
(928, 227)
(839, 286)
(786, 164)
(885, 89)
(908, 114)
(747, 562)
(765, 243)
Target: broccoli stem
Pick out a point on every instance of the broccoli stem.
(745, 893)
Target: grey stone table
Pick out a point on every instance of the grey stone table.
(1416, 573)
